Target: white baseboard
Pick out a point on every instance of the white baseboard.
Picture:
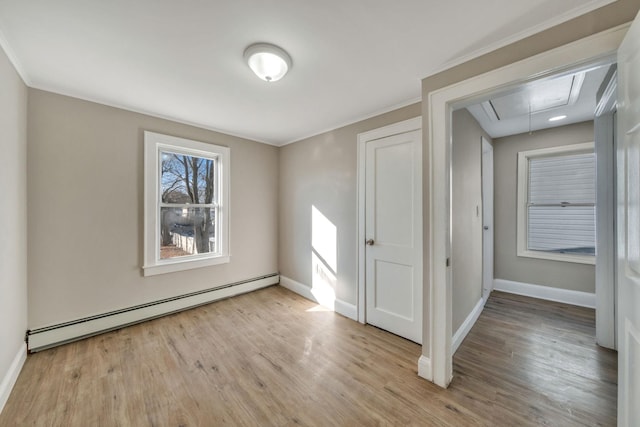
(42, 338)
(341, 307)
(466, 326)
(424, 368)
(346, 309)
(582, 299)
(297, 287)
(11, 376)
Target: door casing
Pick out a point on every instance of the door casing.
(487, 219)
(604, 130)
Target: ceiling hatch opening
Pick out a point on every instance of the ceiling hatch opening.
(528, 107)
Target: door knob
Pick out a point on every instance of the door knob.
(486, 227)
(370, 242)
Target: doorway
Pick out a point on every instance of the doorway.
(585, 53)
(541, 135)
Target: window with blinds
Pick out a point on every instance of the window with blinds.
(556, 203)
(561, 204)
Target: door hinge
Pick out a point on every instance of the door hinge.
(448, 262)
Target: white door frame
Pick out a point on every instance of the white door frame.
(487, 280)
(604, 127)
(383, 132)
(599, 48)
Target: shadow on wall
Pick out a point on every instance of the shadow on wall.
(324, 259)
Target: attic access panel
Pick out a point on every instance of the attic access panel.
(536, 97)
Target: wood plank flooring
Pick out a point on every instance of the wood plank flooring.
(272, 358)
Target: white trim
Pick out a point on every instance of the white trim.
(583, 147)
(424, 368)
(576, 87)
(181, 265)
(341, 307)
(346, 309)
(627, 364)
(604, 127)
(488, 236)
(361, 237)
(42, 338)
(598, 48)
(581, 299)
(364, 137)
(11, 376)
(609, 100)
(521, 204)
(154, 143)
(398, 128)
(297, 287)
(466, 326)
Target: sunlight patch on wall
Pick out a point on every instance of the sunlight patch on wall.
(324, 237)
(324, 258)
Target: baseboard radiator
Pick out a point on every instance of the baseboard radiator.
(54, 335)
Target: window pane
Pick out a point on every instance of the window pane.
(186, 179)
(557, 179)
(568, 229)
(187, 231)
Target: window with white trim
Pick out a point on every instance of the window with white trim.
(186, 204)
(556, 203)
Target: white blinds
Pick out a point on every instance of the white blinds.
(570, 178)
(561, 204)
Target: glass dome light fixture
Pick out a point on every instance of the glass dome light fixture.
(269, 62)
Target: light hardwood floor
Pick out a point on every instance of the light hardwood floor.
(273, 358)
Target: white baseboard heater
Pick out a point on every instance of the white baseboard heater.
(54, 335)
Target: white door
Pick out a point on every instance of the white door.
(393, 227)
(487, 219)
(628, 225)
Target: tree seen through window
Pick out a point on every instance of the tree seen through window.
(188, 205)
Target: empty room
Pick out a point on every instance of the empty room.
(336, 213)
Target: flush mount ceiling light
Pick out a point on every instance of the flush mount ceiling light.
(268, 61)
(556, 118)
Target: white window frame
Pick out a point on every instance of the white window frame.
(522, 197)
(154, 143)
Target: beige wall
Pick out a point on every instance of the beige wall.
(508, 266)
(466, 201)
(13, 214)
(85, 195)
(321, 171)
(612, 15)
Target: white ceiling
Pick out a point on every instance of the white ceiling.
(183, 59)
(512, 106)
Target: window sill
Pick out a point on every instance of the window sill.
(579, 259)
(173, 266)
